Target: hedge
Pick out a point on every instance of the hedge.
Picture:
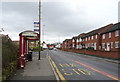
(10, 53)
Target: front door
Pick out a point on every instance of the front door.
(94, 46)
(108, 46)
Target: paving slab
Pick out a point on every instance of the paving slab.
(36, 69)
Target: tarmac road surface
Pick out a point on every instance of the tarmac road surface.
(75, 66)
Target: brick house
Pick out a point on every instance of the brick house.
(69, 42)
(63, 45)
(79, 43)
(74, 40)
(104, 42)
(66, 44)
(92, 39)
(111, 38)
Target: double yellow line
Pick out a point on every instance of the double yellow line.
(57, 70)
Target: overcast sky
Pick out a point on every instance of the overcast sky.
(60, 19)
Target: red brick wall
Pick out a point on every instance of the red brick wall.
(107, 54)
(112, 39)
(70, 43)
(94, 40)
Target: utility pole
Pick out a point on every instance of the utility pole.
(39, 28)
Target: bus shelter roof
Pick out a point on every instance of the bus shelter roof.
(30, 35)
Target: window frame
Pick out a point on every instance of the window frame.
(103, 36)
(103, 45)
(116, 44)
(116, 33)
(110, 34)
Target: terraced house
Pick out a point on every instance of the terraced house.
(79, 42)
(74, 40)
(92, 39)
(111, 40)
(104, 41)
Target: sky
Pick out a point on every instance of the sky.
(60, 19)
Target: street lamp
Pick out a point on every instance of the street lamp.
(39, 27)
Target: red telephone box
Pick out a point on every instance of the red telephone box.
(24, 46)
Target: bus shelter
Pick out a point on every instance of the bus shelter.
(25, 37)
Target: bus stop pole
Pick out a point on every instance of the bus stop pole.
(39, 27)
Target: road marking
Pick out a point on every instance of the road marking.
(76, 71)
(57, 70)
(56, 75)
(72, 65)
(81, 71)
(61, 65)
(67, 74)
(67, 65)
(103, 73)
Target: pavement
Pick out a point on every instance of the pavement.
(36, 69)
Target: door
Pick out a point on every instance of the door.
(94, 46)
(108, 46)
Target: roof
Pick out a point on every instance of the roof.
(75, 37)
(112, 28)
(66, 40)
(81, 35)
(96, 31)
(30, 35)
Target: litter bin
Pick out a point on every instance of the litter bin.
(30, 55)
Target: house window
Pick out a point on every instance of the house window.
(103, 45)
(111, 44)
(73, 40)
(77, 40)
(73, 45)
(77, 46)
(86, 39)
(103, 36)
(91, 44)
(117, 44)
(83, 39)
(110, 35)
(86, 45)
(92, 37)
(96, 36)
(117, 33)
(80, 46)
(80, 40)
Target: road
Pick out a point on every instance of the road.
(75, 66)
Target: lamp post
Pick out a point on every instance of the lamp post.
(39, 27)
